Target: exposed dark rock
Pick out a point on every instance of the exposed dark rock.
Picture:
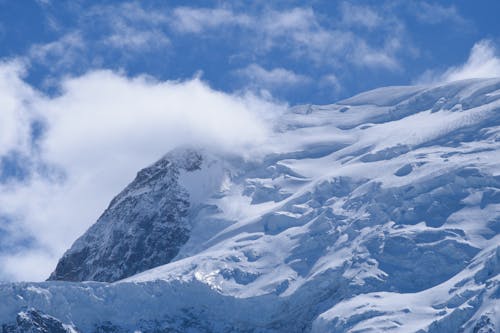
(143, 227)
(34, 321)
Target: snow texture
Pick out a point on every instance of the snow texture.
(380, 213)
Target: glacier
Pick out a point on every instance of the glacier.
(379, 213)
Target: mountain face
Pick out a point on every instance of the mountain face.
(378, 213)
(143, 227)
(32, 321)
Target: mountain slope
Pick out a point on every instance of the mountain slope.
(143, 227)
(378, 213)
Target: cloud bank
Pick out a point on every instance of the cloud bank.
(97, 133)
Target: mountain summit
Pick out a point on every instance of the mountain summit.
(378, 213)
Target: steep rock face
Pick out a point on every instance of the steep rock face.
(143, 227)
(33, 321)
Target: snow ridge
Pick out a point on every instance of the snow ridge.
(378, 213)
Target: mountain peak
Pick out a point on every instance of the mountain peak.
(143, 227)
(380, 212)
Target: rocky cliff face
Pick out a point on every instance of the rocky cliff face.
(144, 226)
(33, 321)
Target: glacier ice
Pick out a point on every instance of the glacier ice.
(378, 213)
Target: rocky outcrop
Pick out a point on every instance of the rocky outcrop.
(143, 227)
(34, 321)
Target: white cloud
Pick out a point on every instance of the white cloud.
(433, 13)
(300, 31)
(271, 79)
(131, 27)
(291, 20)
(131, 12)
(60, 53)
(331, 81)
(196, 20)
(135, 39)
(15, 97)
(483, 62)
(43, 2)
(367, 56)
(101, 130)
(26, 265)
(126, 27)
(358, 15)
(117, 33)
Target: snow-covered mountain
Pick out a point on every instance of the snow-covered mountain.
(378, 213)
(143, 227)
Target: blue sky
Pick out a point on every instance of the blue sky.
(300, 52)
(90, 92)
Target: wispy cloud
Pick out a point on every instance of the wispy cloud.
(331, 81)
(197, 20)
(483, 62)
(302, 33)
(16, 98)
(43, 2)
(356, 36)
(276, 78)
(433, 13)
(61, 53)
(360, 15)
(126, 29)
(131, 27)
(129, 38)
